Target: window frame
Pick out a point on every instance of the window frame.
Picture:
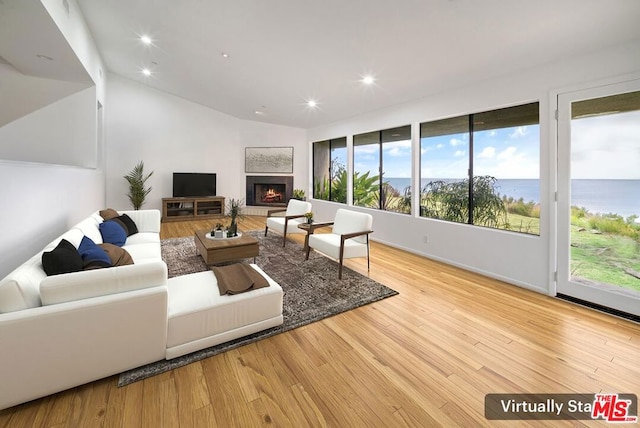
(380, 138)
(511, 116)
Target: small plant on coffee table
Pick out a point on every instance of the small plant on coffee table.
(217, 227)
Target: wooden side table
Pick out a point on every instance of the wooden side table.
(310, 228)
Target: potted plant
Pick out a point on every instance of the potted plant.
(309, 217)
(137, 185)
(217, 231)
(234, 213)
(298, 194)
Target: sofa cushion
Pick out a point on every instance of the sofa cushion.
(113, 233)
(21, 288)
(108, 213)
(93, 256)
(62, 259)
(102, 282)
(146, 220)
(143, 238)
(141, 253)
(89, 227)
(196, 310)
(74, 236)
(118, 255)
(127, 224)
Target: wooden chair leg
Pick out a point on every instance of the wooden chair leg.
(265, 230)
(341, 258)
(284, 235)
(368, 270)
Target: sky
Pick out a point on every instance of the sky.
(602, 147)
(606, 146)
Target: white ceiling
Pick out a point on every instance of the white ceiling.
(283, 52)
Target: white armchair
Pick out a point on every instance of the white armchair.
(287, 223)
(349, 238)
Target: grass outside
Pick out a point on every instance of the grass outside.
(605, 258)
(523, 224)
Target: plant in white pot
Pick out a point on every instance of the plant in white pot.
(138, 190)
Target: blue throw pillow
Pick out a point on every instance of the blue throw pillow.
(113, 233)
(93, 257)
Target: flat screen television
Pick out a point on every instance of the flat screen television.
(192, 184)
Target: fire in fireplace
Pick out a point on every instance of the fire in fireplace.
(270, 193)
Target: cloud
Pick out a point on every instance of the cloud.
(508, 163)
(520, 131)
(487, 152)
(439, 146)
(507, 153)
(398, 148)
(369, 148)
(456, 142)
(606, 146)
(459, 153)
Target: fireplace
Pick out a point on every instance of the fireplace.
(269, 190)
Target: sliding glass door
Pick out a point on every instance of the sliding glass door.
(599, 196)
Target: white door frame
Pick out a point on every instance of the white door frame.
(563, 207)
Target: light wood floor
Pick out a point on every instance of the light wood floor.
(426, 357)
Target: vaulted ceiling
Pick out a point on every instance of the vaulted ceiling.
(283, 53)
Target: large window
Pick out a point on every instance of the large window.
(483, 169)
(382, 169)
(329, 170)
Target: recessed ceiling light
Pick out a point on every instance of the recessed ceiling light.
(368, 79)
(145, 39)
(312, 103)
(224, 55)
(146, 72)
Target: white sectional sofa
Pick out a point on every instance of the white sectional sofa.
(61, 331)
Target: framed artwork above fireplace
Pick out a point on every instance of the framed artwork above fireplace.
(268, 159)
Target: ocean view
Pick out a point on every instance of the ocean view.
(598, 196)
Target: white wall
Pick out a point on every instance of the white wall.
(171, 134)
(22, 94)
(41, 201)
(520, 259)
(62, 133)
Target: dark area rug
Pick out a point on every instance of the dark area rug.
(311, 287)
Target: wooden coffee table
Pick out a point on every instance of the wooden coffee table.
(225, 250)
